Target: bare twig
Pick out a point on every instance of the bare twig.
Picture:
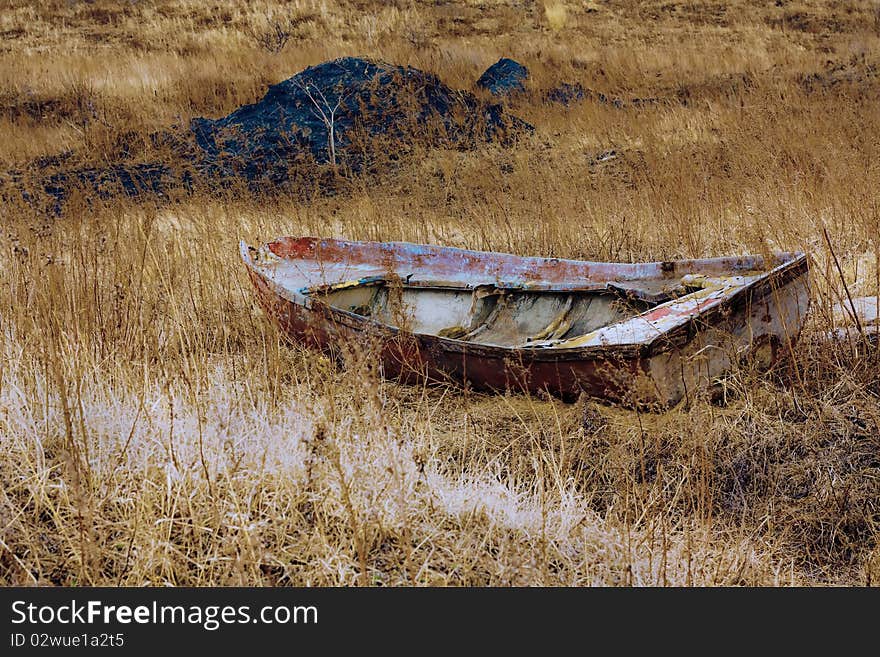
(275, 37)
(326, 113)
(852, 309)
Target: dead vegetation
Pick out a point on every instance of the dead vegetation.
(154, 428)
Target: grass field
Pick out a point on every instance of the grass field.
(154, 428)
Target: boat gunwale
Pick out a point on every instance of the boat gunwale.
(308, 248)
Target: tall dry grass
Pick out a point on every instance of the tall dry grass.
(155, 429)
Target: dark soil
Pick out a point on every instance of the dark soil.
(349, 114)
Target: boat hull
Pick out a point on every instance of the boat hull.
(761, 322)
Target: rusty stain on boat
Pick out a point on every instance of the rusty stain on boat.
(640, 333)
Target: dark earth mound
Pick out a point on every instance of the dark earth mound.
(331, 112)
(566, 93)
(351, 114)
(507, 78)
(504, 77)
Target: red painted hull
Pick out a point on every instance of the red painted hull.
(412, 358)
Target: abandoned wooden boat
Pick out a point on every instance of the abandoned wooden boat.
(642, 334)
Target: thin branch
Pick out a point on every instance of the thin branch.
(852, 309)
(328, 120)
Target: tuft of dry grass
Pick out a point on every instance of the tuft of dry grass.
(556, 14)
(155, 429)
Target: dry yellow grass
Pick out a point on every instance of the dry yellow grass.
(155, 430)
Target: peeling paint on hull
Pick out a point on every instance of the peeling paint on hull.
(665, 329)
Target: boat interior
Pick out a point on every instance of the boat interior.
(499, 315)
